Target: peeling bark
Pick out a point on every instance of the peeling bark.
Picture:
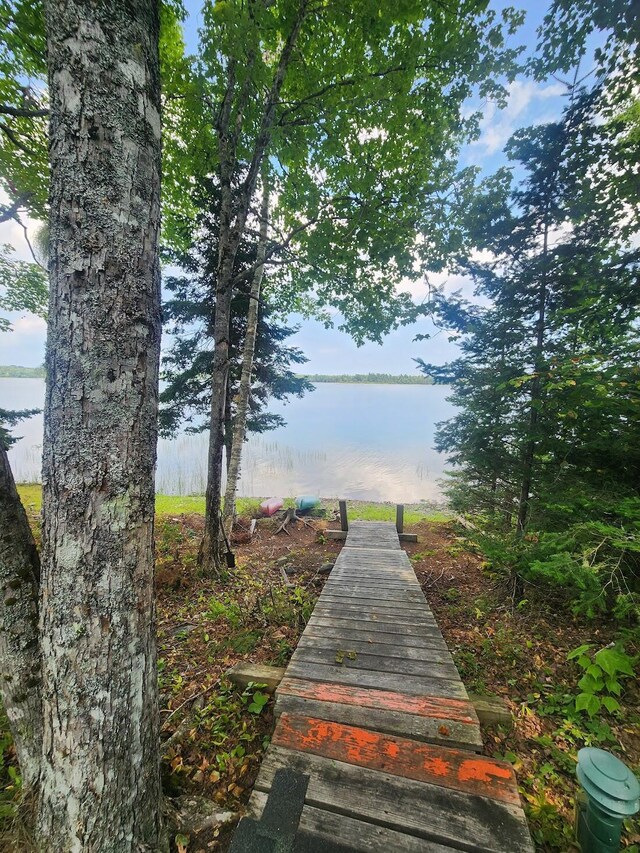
(19, 649)
(100, 784)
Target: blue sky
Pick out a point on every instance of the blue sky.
(331, 351)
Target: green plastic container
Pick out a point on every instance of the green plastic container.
(610, 793)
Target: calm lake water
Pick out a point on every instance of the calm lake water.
(364, 442)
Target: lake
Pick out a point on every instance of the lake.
(363, 442)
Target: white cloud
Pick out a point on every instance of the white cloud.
(525, 97)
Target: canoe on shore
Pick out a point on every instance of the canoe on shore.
(271, 506)
(304, 502)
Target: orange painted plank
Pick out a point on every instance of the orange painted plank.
(459, 710)
(409, 759)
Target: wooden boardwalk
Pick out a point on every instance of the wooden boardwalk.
(373, 712)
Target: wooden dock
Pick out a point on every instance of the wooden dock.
(375, 732)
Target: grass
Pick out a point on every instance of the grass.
(31, 496)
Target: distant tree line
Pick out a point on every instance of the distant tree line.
(371, 378)
(12, 371)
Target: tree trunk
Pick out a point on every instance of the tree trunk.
(244, 393)
(232, 226)
(100, 787)
(19, 647)
(524, 503)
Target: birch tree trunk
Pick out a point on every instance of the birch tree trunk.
(233, 218)
(100, 784)
(248, 350)
(19, 648)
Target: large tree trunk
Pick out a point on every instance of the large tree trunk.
(248, 350)
(19, 648)
(100, 784)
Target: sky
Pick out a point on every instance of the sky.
(332, 351)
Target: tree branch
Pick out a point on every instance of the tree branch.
(16, 112)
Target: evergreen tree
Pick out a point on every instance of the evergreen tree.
(546, 439)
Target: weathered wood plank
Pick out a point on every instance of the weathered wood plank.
(377, 625)
(492, 710)
(406, 620)
(432, 686)
(399, 601)
(341, 586)
(430, 729)
(460, 710)
(434, 654)
(346, 632)
(344, 522)
(244, 673)
(467, 821)
(350, 659)
(321, 830)
(438, 765)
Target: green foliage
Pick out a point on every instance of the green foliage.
(601, 682)
(341, 154)
(10, 782)
(547, 436)
(23, 287)
(223, 721)
(24, 162)
(190, 315)
(225, 608)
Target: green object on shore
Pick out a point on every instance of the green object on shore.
(610, 793)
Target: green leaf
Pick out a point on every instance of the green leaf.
(613, 661)
(590, 685)
(613, 686)
(610, 704)
(579, 651)
(587, 702)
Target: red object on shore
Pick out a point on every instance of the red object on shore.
(271, 506)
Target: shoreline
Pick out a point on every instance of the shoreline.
(360, 510)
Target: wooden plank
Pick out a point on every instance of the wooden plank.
(408, 537)
(408, 618)
(244, 673)
(370, 625)
(466, 821)
(347, 633)
(400, 518)
(492, 710)
(430, 729)
(349, 659)
(407, 610)
(437, 653)
(321, 830)
(404, 601)
(438, 765)
(335, 534)
(459, 710)
(379, 605)
(432, 686)
(344, 523)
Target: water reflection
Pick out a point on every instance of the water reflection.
(368, 442)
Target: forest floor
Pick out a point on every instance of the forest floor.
(214, 736)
